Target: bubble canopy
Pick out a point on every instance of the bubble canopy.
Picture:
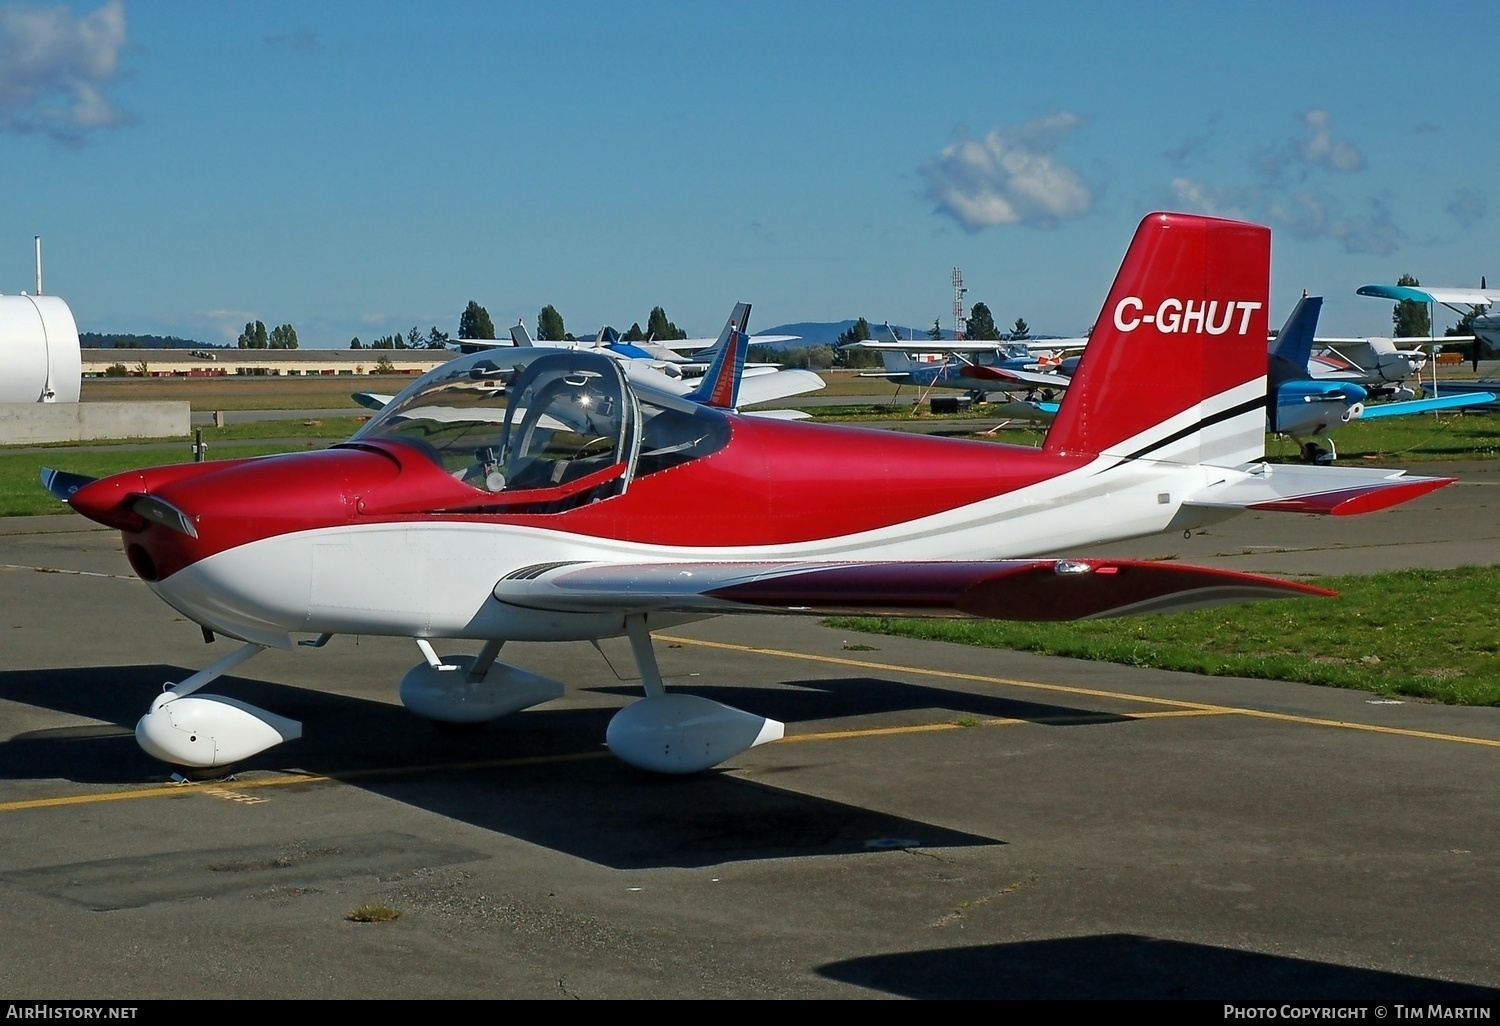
(506, 422)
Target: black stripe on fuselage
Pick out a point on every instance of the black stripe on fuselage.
(1258, 403)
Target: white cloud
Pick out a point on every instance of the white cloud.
(1282, 197)
(1322, 149)
(1219, 202)
(1309, 214)
(54, 68)
(1009, 177)
(1467, 207)
(1312, 214)
(1318, 149)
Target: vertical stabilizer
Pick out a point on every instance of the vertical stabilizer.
(1175, 368)
(1294, 342)
(720, 386)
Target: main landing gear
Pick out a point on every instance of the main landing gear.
(663, 733)
(1315, 454)
(679, 733)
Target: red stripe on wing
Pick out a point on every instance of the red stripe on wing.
(1350, 501)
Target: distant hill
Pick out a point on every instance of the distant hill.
(99, 340)
(813, 333)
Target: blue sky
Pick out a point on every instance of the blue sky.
(359, 168)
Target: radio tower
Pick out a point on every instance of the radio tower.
(959, 322)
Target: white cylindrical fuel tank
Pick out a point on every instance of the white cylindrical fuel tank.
(39, 356)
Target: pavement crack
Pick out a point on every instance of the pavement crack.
(964, 908)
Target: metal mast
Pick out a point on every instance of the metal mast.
(959, 322)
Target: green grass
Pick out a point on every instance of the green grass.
(1421, 438)
(335, 428)
(1442, 436)
(21, 492)
(1429, 634)
(373, 914)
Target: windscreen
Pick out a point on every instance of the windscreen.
(516, 421)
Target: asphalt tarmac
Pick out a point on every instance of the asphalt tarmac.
(940, 821)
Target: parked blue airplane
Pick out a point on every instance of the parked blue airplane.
(1301, 406)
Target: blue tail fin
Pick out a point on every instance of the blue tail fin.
(1294, 344)
(720, 386)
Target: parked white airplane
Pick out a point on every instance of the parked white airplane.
(755, 383)
(1458, 299)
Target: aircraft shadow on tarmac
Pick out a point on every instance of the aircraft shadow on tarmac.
(1115, 966)
(590, 805)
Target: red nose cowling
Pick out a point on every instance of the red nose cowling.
(229, 503)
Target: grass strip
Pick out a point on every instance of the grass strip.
(1428, 634)
(21, 492)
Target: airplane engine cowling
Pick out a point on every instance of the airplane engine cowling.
(685, 733)
(204, 731)
(448, 696)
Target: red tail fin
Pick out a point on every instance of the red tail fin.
(1175, 367)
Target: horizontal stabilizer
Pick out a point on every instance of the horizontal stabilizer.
(778, 414)
(371, 400)
(1022, 589)
(781, 384)
(1443, 402)
(1293, 488)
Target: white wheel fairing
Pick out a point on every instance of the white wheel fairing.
(448, 696)
(203, 731)
(685, 733)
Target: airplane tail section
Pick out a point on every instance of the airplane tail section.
(720, 386)
(1294, 343)
(895, 363)
(1175, 368)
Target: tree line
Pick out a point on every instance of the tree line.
(255, 336)
(475, 322)
(413, 339)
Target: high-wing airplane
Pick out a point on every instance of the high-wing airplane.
(1379, 365)
(1301, 404)
(997, 369)
(1461, 300)
(977, 367)
(526, 494)
(758, 383)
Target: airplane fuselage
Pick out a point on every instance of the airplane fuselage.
(374, 538)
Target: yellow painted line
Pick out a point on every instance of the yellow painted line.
(1179, 709)
(916, 728)
(217, 788)
(866, 664)
(1188, 708)
(996, 721)
(1165, 714)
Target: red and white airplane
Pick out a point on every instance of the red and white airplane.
(533, 495)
